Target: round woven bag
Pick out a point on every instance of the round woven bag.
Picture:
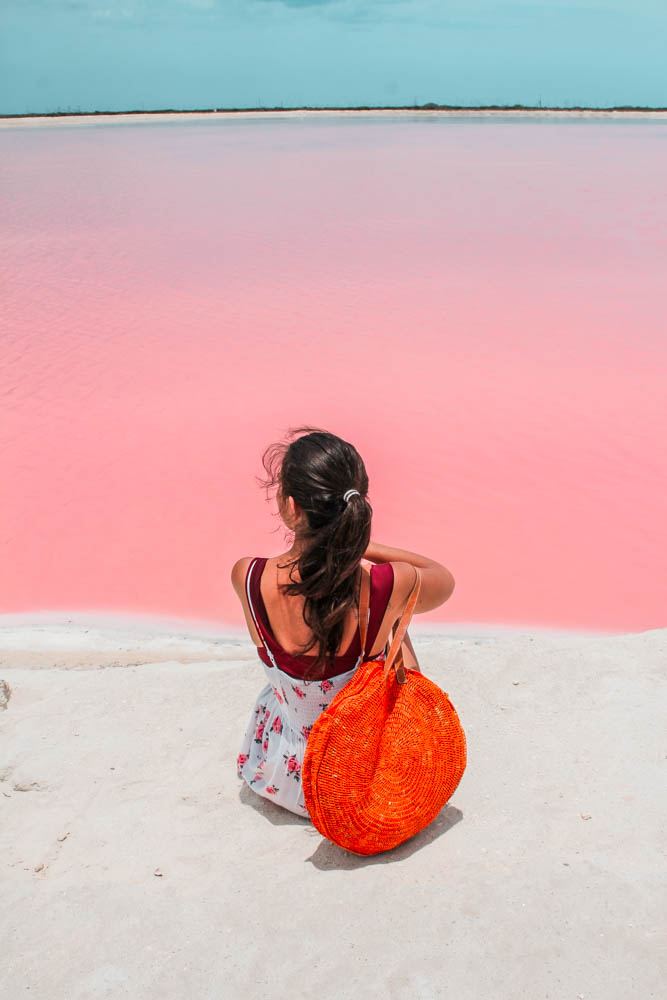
(386, 755)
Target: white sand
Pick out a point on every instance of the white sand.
(137, 865)
(86, 119)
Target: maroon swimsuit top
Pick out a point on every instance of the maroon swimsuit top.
(382, 584)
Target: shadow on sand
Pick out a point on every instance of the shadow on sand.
(328, 856)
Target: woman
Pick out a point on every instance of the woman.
(308, 599)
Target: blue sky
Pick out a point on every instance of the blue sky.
(87, 55)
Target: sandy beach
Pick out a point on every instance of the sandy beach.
(137, 864)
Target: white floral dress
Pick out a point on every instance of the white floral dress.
(274, 744)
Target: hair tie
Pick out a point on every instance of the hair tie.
(350, 493)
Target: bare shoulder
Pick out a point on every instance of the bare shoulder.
(437, 584)
(239, 571)
(404, 581)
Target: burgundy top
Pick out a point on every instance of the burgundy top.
(382, 584)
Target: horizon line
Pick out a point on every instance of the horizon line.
(430, 106)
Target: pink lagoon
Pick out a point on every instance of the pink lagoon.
(477, 303)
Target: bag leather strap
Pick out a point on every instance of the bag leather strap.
(394, 649)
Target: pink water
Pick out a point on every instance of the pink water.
(478, 305)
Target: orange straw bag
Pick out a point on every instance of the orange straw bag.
(386, 755)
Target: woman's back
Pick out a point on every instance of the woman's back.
(283, 629)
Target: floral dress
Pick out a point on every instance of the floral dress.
(271, 754)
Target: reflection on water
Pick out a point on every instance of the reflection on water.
(478, 305)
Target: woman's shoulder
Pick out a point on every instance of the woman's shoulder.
(403, 582)
(399, 577)
(239, 573)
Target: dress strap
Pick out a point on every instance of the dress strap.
(255, 618)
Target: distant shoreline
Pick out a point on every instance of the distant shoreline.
(491, 110)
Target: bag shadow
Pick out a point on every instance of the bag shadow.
(329, 856)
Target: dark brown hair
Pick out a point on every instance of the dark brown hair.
(316, 469)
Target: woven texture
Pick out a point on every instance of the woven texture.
(382, 760)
